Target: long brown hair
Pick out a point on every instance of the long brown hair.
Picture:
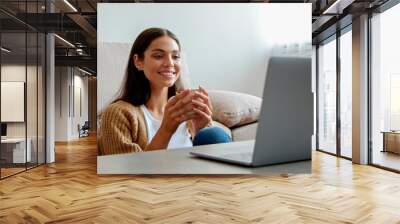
(136, 87)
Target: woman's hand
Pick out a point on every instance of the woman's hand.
(179, 108)
(203, 109)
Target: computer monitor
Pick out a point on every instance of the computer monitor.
(3, 129)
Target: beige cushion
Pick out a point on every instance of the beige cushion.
(245, 132)
(233, 108)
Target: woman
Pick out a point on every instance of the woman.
(150, 114)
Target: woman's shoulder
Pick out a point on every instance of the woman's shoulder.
(122, 107)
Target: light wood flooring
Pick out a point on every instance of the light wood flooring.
(70, 191)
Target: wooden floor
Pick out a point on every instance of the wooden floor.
(70, 191)
(10, 171)
(5, 172)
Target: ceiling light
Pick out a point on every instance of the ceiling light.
(70, 5)
(5, 50)
(338, 6)
(84, 71)
(65, 41)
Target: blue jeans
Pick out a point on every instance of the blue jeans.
(211, 135)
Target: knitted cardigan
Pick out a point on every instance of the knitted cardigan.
(122, 129)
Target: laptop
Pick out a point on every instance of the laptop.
(285, 125)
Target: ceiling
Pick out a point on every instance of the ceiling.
(77, 23)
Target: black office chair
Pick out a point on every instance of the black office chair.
(84, 130)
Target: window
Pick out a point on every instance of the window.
(385, 89)
(346, 75)
(327, 97)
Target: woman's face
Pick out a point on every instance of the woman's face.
(161, 62)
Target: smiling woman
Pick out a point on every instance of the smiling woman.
(162, 64)
(151, 113)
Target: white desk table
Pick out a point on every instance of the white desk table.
(179, 161)
(16, 147)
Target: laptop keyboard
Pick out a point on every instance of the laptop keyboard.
(246, 156)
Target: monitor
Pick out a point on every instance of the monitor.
(3, 129)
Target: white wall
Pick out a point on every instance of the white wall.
(17, 73)
(14, 73)
(67, 116)
(80, 83)
(226, 46)
(61, 103)
(33, 127)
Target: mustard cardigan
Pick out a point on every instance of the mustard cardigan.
(123, 129)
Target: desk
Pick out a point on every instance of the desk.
(179, 161)
(391, 141)
(13, 150)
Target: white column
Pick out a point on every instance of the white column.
(50, 99)
(50, 92)
(360, 90)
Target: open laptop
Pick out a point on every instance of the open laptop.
(285, 124)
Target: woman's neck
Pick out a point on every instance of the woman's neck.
(157, 102)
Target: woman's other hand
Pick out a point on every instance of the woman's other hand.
(203, 109)
(179, 108)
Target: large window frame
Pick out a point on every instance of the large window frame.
(335, 37)
(389, 4)
(381, 9)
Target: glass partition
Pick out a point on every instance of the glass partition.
(31, 100)
(41, 106)
(13, 114)
(327, 97)
(22, 79)
(32, 85)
